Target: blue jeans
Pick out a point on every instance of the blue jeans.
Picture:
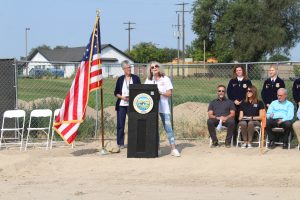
(121, 118)
(166, 120)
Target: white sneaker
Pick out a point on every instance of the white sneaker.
(175, 153)
(250, 146)
(244, 146)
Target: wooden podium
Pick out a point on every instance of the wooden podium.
(143, 121)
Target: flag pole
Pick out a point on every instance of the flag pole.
(103, 150)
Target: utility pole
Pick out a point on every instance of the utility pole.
(178, 41)
(26, 54)
(183, 36)
(129, 29)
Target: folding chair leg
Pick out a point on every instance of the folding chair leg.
(259, 140)
(21, 144)
(48, 141)
(1, 139)
(27, 140)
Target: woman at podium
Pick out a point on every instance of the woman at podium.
(165, 87)
(122, 94)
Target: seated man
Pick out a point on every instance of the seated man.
(280, 114)
(221, 109)
(296, 125)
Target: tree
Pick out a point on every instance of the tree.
(39, 47)
(60, 47)
(240, 30)
(278, 57)
(145, 52)
(197, 54)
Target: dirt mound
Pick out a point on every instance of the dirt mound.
(190, 120)
(191, 111)
(30, 104)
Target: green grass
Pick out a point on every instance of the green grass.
(185, 90)
(31, 89)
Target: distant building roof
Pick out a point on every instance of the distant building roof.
(70, 54)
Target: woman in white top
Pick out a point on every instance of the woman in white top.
(165, 87)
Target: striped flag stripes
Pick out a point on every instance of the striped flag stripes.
(87, 79)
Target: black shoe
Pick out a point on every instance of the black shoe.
(285, 145)
(271, 145)
(227, 144)
(215, 144)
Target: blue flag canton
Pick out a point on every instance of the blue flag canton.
(96, 43)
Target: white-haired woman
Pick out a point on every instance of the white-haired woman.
(165, 87)
(122, 94)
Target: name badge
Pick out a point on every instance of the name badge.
(255, 105)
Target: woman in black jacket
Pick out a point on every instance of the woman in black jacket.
(122, 94)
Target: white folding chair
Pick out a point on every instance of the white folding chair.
(257, 129)
(279, 130)
(223, 129)
(17, 138)
(55, 114)
(39, 115)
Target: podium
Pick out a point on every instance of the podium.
(143, 121)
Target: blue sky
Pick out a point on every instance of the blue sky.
(70, 22)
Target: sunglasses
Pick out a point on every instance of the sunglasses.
(155, 66)
(250, 91)
(221, 90)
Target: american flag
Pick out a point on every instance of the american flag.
(87, 79)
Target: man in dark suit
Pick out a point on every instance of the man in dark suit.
(122, 94)
(270, 87)
(296, 91)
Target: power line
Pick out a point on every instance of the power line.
(129, 29)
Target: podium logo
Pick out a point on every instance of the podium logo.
(143, 103)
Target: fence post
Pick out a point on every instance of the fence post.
(171, 77)
(16, 82)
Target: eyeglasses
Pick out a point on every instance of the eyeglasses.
(250, 91)
(155, 66)
(221, 90)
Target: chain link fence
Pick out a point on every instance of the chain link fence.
(45, 85)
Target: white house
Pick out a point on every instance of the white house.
(64, 61)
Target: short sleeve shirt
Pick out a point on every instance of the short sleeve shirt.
(221, 107)
(251, 109)
(163, 84)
